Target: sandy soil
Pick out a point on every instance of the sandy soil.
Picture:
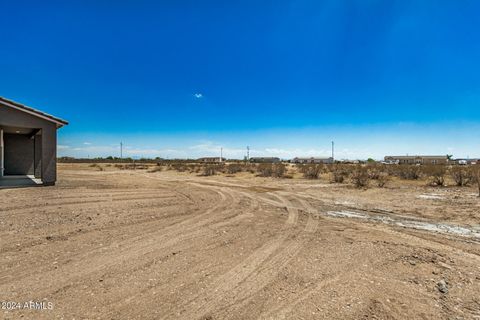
(138, 245)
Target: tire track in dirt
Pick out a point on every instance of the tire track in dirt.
(312, 214)
(185, 230)
(403, 232)
(264, 275)
(292, 211)
(79, 202)
(186, 243)
(104, 257)
(275, 264)
(229, 282)
(238, 286)
(281, 311)
(100, 196)
(421, 242)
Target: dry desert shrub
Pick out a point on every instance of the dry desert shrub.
(264, 170)
(462, 175)
(249, 167)
(376, 172)
(132, 166)
(209, 170)
(156, 169)
(360, 177)
(233, 168)
(276, 170)
(180, 167)
(96, 166)
(196, 169)
(407, 172)
(476, 176)
(339, 173)
(435, 174)
(311, 171)
(382, 179)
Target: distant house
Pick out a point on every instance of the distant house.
(417, 159)
(264, 159)
(211, 159)
(313, 160)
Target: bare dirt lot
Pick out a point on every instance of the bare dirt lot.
(140, 245)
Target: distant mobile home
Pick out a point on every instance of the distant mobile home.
(264, 159)
(313, 160)
(211, 159)
(28, 143)
(417, 159)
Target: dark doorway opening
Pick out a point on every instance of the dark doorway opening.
(19, 154)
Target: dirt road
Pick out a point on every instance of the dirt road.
(138, 245)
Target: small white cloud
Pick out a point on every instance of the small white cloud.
(198, 95)
(87, 143)
(62, 147)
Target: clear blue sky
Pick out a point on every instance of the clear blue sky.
(183, 78)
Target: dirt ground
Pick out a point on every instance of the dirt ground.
(124, 244)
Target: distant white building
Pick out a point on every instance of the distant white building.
(416, 159)
(466, 161)
(211, 159)
(313, 160)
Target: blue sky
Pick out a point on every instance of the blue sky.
(185, 78)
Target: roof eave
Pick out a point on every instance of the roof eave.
(37, 113)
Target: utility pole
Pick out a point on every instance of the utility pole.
(248, 153)
(221, 154)
(333, 150)
(121, 150)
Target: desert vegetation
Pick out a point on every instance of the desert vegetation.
(96, 166)
(363, 176)
(435, 175)
(275, 170)
(476, 177)
(339, 173)
(360, 177)
(462, 176)
(310, 171)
